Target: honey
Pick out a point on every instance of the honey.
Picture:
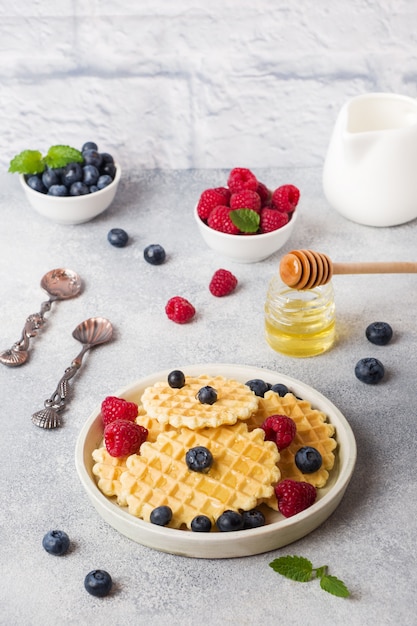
(300, 323)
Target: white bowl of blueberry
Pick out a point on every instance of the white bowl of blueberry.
(68, 186)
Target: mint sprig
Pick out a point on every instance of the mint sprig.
(32, 161)
(300, 569)
(246, 220)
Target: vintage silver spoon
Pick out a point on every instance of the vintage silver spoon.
(90, 333)
(60, 284)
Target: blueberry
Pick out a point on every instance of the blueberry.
(92, 157)
(230, 520)
(308, 460)
(79, 189)
(258, 386)
(176, 379)
(117, 237)
(58, 190)
(280, 389)
(379, 333)
(108, 168)
(106, 158)
(369, 371)
(50, 177)
(90, 175)
(253, 519)
(207, 395)
(35, 182)
(161, 515)
(201, 524)
(72, 173)
(199, 459)
(56, 542)
(104, 181)
(98, 583)
(93, 188)
(154, 254)
(89, 145)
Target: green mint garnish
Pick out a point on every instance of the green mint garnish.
(32, 162)
(246, 220)
(301, 569)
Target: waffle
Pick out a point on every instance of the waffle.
(108, 470)
(243, 473)
(180, 407)
(313, 429)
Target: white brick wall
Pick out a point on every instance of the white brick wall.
(196, 84)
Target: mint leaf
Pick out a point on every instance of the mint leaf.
(294, 567)
(27, 162)
(245, 220)
(333, 585)
(60, 156)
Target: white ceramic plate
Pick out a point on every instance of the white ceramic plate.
(277, 532)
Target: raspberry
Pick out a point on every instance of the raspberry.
(241, 178)
(285, 198)
(246, 199)
(123, 437)
(280, 429)
(264, 194)
(113, 408)
(210, 198)
(179, 310)
(271, 219)
(222, 283)
(293, 497)
(219, 219)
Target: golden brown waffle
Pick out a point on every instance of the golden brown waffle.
(180, 407)
(108, 470)
(151, 424)
(313, 429)
(243, 472)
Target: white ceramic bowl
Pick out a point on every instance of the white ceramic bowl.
(72, 209)
(246, 248)
(277, 532)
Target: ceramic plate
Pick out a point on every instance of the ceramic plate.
(277, 532)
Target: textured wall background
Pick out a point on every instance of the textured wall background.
(190, 84)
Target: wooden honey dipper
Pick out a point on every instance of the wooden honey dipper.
(305, 269)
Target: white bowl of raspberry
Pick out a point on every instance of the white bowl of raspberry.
(245, 221)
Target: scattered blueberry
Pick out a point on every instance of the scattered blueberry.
(161, 515)
(230, 520)
(117, 237)
(154, 254)
(207, 395)
(369, 371)
(201, 524)
(58, 190)
(56, 542)
(308, 460)
(98, 583)
(258, 386)
(253, 519)
(35, 183)
(79, 189)
(72, 173)
(176, 379)
(90, 175)
(379, 333)
(280, 389)
(199, 459)
(104, 181)
(50, 177)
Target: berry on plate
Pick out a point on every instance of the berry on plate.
(207, 395)
(222, 283)
(98, 583)
(123, 437)
(369, 370)
(253, 519)
(308, 459)
(379, 333)
(285, 198)
(199, 459)
(176, 379)
(179, 310)
(56, 542)
(113, 408)
(280, 429)
(271, 219)
(161, 515)
(210, 198)
(229, 521)
(241, 178)
(294, 497)
(201, 524)
(258, 386)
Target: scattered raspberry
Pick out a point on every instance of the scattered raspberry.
(222, 283)
(179, 310)
(210, 198)
(280, 429)
(219, 219)
(245, 199)
(123, 437)
(271, 219)
(285, 198)
(264, 194)
(293, 497)
(241, 178)
(113, 408)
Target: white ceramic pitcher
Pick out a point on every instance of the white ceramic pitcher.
(370, 170)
